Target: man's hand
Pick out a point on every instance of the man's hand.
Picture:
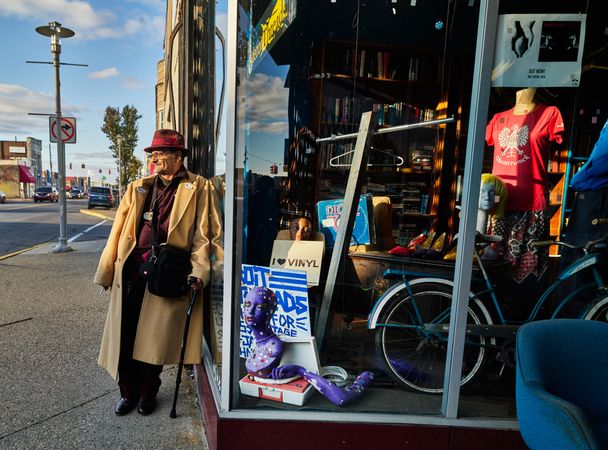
(195, 283)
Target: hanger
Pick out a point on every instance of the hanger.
(397, 160)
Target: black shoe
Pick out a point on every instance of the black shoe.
(124, 406)
(146, 406)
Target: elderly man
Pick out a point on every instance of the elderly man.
(144, 331)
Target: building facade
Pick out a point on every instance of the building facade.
(21, 163)
(383, 118)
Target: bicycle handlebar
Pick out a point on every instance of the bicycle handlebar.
(547, 243)
(599, 244)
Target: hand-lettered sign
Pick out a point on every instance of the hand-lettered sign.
(292, 318)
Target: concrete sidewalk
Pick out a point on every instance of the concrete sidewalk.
(53, 395)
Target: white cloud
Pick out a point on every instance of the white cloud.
(74, 14)
(17, 101)
(267, 101)
(133, 84)
(279, 127)
(103, 74)
(87, 22)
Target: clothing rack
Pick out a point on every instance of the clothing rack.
(353, 189)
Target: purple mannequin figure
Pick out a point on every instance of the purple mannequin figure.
(265, 358)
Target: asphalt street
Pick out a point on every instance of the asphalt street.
(53, 395)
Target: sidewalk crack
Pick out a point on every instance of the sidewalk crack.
(57, 414)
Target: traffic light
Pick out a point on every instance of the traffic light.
(82, 166)
(99, 170)
(274, 169)
(70, 166)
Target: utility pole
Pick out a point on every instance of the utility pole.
(55, 31)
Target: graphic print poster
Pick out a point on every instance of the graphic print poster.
(292, 317)
(539, 50)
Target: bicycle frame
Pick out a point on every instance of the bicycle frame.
(406, 284)
(588, 261)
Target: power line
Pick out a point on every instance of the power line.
(264, 159)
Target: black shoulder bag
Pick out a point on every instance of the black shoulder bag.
(168, 268)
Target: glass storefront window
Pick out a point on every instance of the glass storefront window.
(296, 84)
(306, 74)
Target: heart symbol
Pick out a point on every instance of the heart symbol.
(281, 261)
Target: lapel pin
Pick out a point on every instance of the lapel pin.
(189, 186)
(141, 190)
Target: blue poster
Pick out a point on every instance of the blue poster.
(330, 214)
(292, 317)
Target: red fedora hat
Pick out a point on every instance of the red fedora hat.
(167, 140)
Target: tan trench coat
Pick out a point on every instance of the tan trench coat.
(161, 322)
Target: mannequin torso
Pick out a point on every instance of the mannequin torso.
(265, 358)
(524, 101)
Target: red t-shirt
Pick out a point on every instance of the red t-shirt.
(522, 145)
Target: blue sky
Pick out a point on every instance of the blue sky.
(120, 40)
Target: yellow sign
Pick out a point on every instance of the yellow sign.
(275, 20)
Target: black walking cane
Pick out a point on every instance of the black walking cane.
(178, 380)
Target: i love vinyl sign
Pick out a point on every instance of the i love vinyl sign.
(299, 255)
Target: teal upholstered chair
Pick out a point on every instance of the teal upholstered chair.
(562, 384)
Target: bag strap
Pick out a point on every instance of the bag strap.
(154, 223)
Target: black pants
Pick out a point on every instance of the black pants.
(136, 379)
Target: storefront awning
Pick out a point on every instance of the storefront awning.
(25, 175)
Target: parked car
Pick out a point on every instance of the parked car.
(46, 193)
(68, 194)
(2, 197)
(77, 192)
(100, 196)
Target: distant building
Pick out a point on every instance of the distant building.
(20, 167)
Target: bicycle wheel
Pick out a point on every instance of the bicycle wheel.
(413, 348)
(598, 310)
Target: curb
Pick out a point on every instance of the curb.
(18, 252)
(96, 214)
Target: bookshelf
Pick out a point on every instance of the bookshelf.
(402, 85)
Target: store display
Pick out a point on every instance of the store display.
(522, 138)
(265, 358)
(330, 212)
(401, 85)
(594, 173)
(411, 246)
(306, 256)
(292, 318)
(300, 229)
(295, 392)
(493, 196)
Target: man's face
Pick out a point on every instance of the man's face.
(166, 162)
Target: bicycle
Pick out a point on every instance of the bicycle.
(411, 319)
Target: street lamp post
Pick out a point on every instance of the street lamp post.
(55, 31)
(119, 168)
